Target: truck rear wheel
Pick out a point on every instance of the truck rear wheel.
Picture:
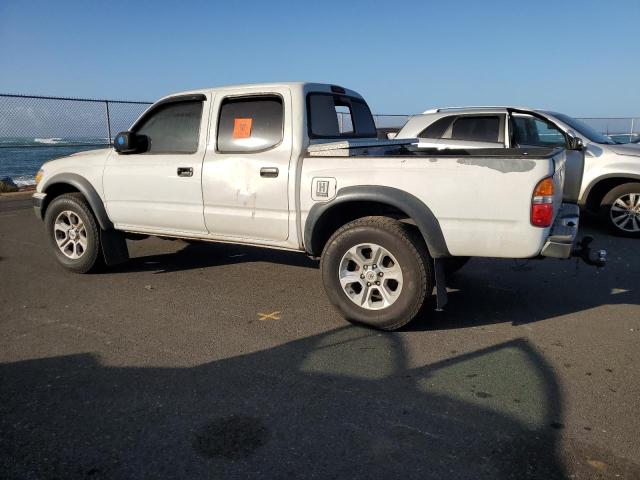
(620, 209)
(73, 232)
(377, 272)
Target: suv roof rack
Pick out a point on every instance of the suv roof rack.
(474, 107)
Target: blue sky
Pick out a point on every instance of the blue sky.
(580, 57)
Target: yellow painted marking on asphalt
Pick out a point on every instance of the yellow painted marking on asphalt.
(597, 464)
(269, 316)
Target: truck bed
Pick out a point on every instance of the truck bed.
(480, 197)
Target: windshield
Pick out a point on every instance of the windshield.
(339, 116)
(583, 129)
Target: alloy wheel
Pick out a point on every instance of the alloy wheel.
(625, 212)
(70, 234)
(370, 276)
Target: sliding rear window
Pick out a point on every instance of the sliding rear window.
(339, 116)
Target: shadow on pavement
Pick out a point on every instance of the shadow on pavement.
(206, 254)
(487, 291)
(476, 298)
(490, 291)
(342, 404)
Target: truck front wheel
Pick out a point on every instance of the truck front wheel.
(620, 208)
(73, 232)
(377, 272)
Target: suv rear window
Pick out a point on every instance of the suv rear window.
(437, 128)
(339, 116)
(476, 128)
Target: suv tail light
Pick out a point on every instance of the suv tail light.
(542, 203)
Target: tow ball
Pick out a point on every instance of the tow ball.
(583, 250)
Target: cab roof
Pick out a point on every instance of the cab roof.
(301, 87)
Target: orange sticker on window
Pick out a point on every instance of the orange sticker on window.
(242, 127)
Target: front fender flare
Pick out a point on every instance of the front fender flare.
(83, 186)
(425, 220)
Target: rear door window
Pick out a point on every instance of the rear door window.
(485, 128)
(250, 124)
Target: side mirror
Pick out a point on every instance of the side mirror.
(130, 142)
(575, 142)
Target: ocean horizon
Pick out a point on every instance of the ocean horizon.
(22, 157)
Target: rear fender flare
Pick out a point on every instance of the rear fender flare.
(422, 215)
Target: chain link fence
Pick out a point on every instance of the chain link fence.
(35, 129)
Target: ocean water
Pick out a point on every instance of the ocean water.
(21, 158)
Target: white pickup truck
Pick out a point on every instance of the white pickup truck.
(268, 165)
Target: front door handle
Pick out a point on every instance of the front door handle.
(185, 171)
(269, 172)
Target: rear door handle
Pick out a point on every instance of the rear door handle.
(269, 172)
(185, 171)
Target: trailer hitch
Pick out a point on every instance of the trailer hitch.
(583, 250)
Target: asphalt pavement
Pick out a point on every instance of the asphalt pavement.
(221, 361)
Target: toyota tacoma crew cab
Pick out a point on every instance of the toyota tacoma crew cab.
(270, 165)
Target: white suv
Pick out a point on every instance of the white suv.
(611, 181)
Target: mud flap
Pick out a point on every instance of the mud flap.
(114, 247)
(441, 284)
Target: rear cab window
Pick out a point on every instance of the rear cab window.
(339, 116)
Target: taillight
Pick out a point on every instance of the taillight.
(542, 203)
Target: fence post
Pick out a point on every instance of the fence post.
(631, 137)
(106, 103)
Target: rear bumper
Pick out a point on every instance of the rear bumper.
(38, 203)
(563, 233)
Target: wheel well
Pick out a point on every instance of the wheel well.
(54, 191)
(600, 189)
(344, 213)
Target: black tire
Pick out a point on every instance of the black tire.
(90, 257)
(453, 264)
(608, 203)
(415, 263)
